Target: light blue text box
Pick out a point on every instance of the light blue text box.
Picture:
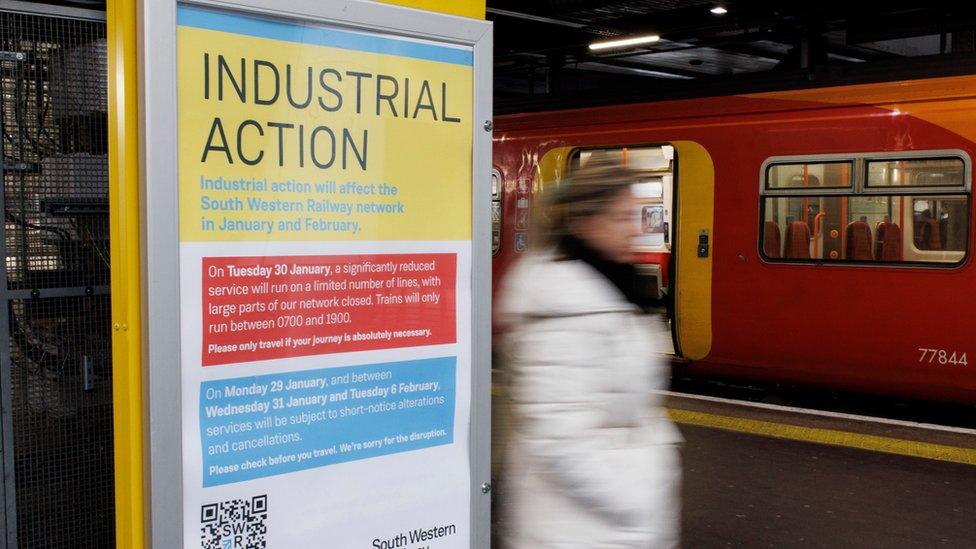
(260, 426)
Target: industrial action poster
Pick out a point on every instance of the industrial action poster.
(325, 188)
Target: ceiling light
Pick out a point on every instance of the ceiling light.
(719, 10)
(624, 42)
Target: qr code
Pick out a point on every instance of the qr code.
(235, 524)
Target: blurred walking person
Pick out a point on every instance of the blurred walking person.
(592, 460)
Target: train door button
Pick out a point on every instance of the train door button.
(703, 243)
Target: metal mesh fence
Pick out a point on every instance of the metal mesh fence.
(55, 163)
(53, 91)
(61, 385)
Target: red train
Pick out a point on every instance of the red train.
(820, 237)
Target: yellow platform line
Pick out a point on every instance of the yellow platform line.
(830, 437)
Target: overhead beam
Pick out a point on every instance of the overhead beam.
(639, 67)
(534, 18)
(923, 22)
(748, 48)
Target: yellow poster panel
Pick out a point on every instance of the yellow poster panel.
(466, 8)
(304, 133)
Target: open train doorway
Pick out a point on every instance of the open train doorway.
(654, 168)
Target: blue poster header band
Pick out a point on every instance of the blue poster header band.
(220, 21)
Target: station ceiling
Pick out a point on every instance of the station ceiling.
(543, 58)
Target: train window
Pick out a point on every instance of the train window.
(939, 224)
(835, 175)
(635, 158)
(649, 189)
(496, 211)
(924, 172)
(921, 216)
(652, 167)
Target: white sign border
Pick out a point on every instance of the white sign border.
(160, 232)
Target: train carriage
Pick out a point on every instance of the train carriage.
(820, 237)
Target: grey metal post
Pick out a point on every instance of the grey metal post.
(8, 485)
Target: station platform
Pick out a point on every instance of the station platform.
(759, 475)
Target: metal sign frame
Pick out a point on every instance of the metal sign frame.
(160, 231)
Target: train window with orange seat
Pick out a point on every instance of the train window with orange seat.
(903, 208)
(939, 224)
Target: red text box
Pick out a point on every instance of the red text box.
(261, 308)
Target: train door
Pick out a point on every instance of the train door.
(673, 253)
(692, 250)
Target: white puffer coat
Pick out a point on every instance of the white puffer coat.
(592, 458)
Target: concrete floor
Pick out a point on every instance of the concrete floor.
(743, 490)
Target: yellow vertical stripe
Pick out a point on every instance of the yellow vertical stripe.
(695, 181)
(123, 111)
